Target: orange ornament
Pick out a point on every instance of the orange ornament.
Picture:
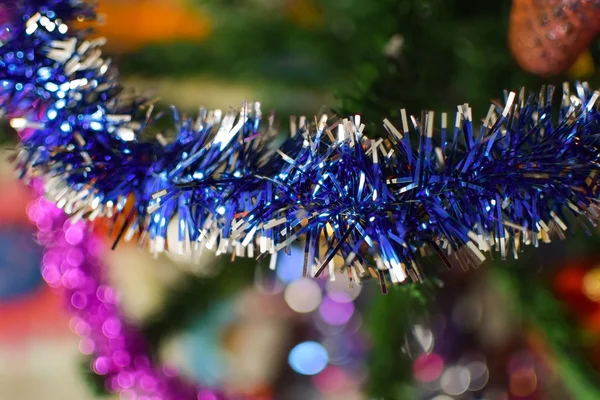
(546, 37)
(131, 24)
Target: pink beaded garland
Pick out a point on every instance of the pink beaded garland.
(73, 262)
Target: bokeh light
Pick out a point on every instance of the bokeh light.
(303, 295)
(442, 397)
(424, 337)
(428, 367)
(455, 380)
(520, 360)
(289, 267)
(74, 234)
(308, 358)
(101, 365)
(338, 347)
(334, 380)
(325, 328)
(340, 291)
(479, 373)
(591, 284)
(523, 382)
(335, 313)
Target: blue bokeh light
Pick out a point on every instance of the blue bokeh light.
(308, 358)
(289, 267)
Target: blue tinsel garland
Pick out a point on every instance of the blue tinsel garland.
(458, 190)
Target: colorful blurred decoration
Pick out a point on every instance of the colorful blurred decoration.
(27, 306)
(577, 285)
(556, 325)
(237, 344)
(548, 36)
(132, 24)
(333, 350)
(465, 362)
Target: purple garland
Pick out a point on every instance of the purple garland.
(73, 262)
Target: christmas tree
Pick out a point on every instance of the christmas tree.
(378, 58)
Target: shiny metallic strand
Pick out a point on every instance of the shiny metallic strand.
(458, 190)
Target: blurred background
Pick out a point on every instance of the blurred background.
(523, 329)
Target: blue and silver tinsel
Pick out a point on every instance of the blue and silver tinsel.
(453, 188)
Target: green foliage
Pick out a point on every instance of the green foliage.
(254, 40)
(7, 134)
(388, 321)
(454, 52)
(96, 383)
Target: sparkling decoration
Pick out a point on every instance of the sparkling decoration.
(72, 262)
(458, 191)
